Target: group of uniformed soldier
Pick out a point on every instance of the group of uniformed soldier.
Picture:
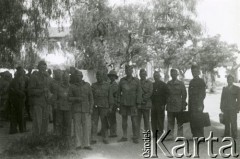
(73, 99)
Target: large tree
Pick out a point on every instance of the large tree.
(175, 23)
(214, 53)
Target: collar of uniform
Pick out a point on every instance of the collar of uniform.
(128, 78)
(196, 77)
(62, 84)
(174, 82)
(79, 83)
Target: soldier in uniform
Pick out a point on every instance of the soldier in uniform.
(159, 100)
(17, 98)
(72, 75)
(112, 75)
(197, 94)
(230, 106)
(63, 110)
(4, 85)
(103, 101)
(39, 92)
(144, 110)
(80, 95)
(130, 98)
(176, 103)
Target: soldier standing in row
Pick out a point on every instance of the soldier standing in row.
(176, 103)
(230, 106)
(197, 94)
(17, 101)
(130, 98)
(72, 75)
(103, 101)
(39, 92)
(144, 110)
(80, 95)
(4, 85)
(63, 110)
(55, 84)
(159, 100)
(112, 75)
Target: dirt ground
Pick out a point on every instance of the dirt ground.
(129, 150)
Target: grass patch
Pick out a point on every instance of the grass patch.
(29, 146)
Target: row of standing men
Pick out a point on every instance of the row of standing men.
(73, 98)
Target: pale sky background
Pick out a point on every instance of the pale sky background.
(217, 16)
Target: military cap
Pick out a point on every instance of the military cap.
(78, 73)
(128, 67)
(19, 68)
(174, 70)
(113, 73)
(230, 76)
(142, 70)
(7, 74)
(42, 63)
(195, 66)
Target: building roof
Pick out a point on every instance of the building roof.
(55, 32)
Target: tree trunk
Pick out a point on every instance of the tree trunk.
(213, 82)
(166, 73)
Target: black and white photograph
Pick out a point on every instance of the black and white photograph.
(119, 79)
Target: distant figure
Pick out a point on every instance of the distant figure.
(176, 103)
(130, 99)
(197, 94)
(39, 92)
(159, 101)
(17, 98)
(146, 105)
(230, 106)
(80, 95)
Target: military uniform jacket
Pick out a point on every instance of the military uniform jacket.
(39, 88)
(114, 89)
(17, 89)
(102, 95)
(62, 102)
(4, 85)
(147, 89)
(230, 99)
(83, 92)
(176, 101)
(130, 92)
(197, 94)
(160, 94)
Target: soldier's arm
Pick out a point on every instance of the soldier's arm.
(202, 90)
(110, 98)
(184, 96)
(238, 99)
(32, 87)
(119, 94)
(20, 90)
(166, 93)
(148, 94)
(139, 93)
(222, 99)
(91, 101)
(71, 98)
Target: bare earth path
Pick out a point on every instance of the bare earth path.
(129, 150)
